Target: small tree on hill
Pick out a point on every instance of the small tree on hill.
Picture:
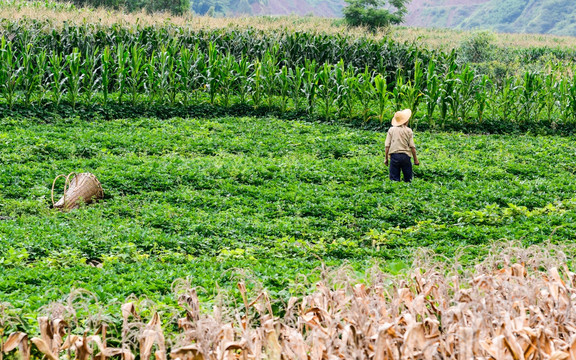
(375, 13)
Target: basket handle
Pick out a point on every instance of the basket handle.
(66, 185)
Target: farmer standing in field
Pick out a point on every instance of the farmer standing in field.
(400, 146)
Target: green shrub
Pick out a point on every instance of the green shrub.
(478, 47)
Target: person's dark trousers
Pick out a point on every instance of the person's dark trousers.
(400, 162)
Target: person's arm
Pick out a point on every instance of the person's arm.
(413, 149)
(386, 160)
(387, 144)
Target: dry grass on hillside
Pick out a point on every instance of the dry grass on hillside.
(445, 39)
(61, 13)
(517, 304)
(448, 39)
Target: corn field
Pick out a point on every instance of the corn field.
(501, 310)
(333, 77)
(293, 47)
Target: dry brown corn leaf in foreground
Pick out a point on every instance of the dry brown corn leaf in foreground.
(508, 311)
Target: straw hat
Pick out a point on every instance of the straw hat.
(401, 117)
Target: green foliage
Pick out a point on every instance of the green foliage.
(382, 55)
(478, 47)
(200, 198)
(93, 70)
(14, 258)
(212, 157)
(374, 14)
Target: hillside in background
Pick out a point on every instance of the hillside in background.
(219, 8)
(442, 13)
(323, 8)
(513, 16)
(517, 16)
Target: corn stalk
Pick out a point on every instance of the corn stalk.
(74, 76)
(11, 72)
(57, 76)
(382, 95)
(310, 85)
(365, 92)
(326, 91)
(135, 72)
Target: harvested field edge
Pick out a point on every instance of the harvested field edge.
(516, 304)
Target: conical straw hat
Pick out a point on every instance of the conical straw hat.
(401, 117)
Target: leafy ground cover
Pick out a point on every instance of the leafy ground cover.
(264, 200)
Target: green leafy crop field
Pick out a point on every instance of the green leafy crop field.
(262, 200)
(240, 158)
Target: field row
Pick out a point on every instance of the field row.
(441, 95)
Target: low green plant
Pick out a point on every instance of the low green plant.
(202, 197)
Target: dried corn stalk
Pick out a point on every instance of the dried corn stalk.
(511, 312)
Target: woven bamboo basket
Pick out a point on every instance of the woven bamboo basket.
(78, 188)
